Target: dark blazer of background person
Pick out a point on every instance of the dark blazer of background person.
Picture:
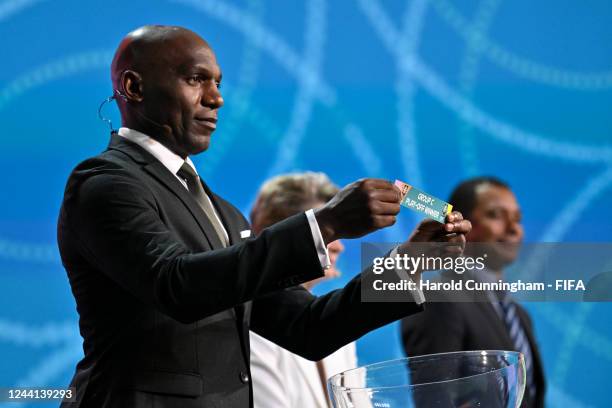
(463, 326)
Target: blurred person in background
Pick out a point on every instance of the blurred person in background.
(498, 324)
(282, 379)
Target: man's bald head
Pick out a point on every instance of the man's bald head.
(149, 48)
(168, 79)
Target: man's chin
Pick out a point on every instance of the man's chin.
(200, 143)
(508, 252)
(498, 255)
(502, 257)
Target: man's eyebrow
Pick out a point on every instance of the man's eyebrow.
(208, 71)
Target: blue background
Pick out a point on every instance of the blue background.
(429, 92)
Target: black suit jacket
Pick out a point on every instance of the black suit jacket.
(465, 326)
(165, 310)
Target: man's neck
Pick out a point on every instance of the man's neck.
(499, 274)
(154, 133)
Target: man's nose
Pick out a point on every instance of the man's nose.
(213, 99)
(514, 227)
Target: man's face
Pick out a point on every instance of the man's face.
(496, 220)
(182, 94)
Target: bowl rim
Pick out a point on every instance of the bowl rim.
(424, 357)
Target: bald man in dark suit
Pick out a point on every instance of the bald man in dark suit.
(166, 279)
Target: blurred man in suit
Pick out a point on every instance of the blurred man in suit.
(166, 281)
(498, 324)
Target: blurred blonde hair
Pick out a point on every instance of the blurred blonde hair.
(288, 194)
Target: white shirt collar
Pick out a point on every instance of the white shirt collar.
(167, 157)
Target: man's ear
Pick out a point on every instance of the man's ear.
(131, 82)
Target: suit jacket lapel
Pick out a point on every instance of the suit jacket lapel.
(162, 174)
(243, 310)
(496, 323)
(231, 226)
(535, 354)
(156, 169)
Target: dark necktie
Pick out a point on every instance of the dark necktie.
(518, 337)
(187, 173)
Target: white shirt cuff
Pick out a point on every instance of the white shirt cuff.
(318, 240)
(417, 294)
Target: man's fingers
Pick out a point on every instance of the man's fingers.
(382, 221)
(454, 222)
(429, 225)
(359, 208)
(459, 227)
(453, 239)
(381, 186)
(454, 244)
(380, 208)
(377, 183)
(454, 217)
(388, 196)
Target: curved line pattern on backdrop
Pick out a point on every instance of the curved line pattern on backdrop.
(496, 128)
(562, 221)
(54, 70)
(36, 336)
(405, 88)
(301, 69)
(555, 232)
(58, 361)
(267, 40)
(63, 336)
(412, 71)
(468, 72)
(9, 8)
(64, 67)
(517, 65)
(246, 24)
(302, 107)
(241, 98)
(410, 37)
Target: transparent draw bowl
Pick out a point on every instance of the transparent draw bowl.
(465, 379)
